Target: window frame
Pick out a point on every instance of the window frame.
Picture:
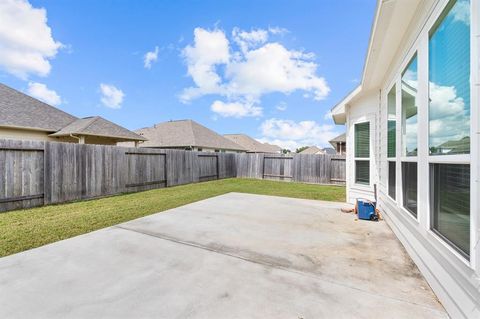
(395, 159)
(455, 158)
(420, 47)
(366, 159)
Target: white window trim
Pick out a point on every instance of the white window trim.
(475, 136)
(420, 47)
(366, 187)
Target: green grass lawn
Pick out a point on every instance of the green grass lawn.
(29, 228)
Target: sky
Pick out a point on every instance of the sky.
(269, 69)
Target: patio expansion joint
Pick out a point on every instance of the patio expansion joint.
(271, 265)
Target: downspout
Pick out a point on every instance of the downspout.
(81, 139)
(78, 138)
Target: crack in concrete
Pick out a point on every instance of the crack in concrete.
(268, 264)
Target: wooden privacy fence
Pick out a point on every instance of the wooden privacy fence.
(37, 173)
(311, 168)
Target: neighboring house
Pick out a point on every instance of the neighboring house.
(330, 151)
(312, 150)
(252, 145)
(186, 135)
(25, 118)
(339, 143)
(412, 134)
(273, 148)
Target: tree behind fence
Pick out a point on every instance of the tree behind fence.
(35, 173)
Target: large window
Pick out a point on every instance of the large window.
(362, 153)
(409, 187)
(391, 123)
(449, 125)
(409, 109)
(392, 179)
(450, 205)
(449, 81)
(391, 139)
(409, 136)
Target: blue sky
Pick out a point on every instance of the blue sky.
(276, 83)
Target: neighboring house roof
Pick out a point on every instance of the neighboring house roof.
(98, 126)
(22, 111)
(329, 151)
(342, 138)
(185, 133)
(390, 26)
(274, 148)
(461, 146)
(312, 150)
(252, 145)
(19, 110)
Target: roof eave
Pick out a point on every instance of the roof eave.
(119, 138)
(339, 111)
(28, 128)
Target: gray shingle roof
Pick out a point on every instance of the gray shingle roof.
(185, 133)
(20, 110)
(312, 150)
(252, 145)
(340, 138)
(274, 148)
(98, 126)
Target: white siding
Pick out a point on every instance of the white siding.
(455, 280)
(362, 110)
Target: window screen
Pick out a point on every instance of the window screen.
(409, 187)
(362, 140)
(409, 108)
(362, 172)
(450, 203)
(392, 179)
(392, 123)
(449, 81)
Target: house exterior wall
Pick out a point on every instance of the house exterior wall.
(454, 278)
(33, 135)
(198, 149)
(363, 110)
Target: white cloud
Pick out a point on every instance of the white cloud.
(247, 40)
(277, 30)
(291, 134)
(282, 106)
(26, 42)
(449, 118)
(210, 48)
(461, 11)
(328, 115)
(111, 96)
(236, 109)
(259, 67)
(150, 57)
(41, 92)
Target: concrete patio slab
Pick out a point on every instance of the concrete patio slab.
(232, 256)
